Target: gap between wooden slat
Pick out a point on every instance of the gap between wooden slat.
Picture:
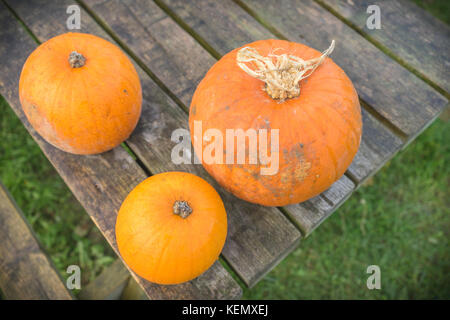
(300, 228)
(188, 29)
(396, 131)
(32, 35)
(233, 273)
(383, 49)
(406, 143)
(14, 13)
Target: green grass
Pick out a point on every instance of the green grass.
(399, 221)
(439, 8)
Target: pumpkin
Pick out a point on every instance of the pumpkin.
(171, 228)
(80, 93)
(272, 85)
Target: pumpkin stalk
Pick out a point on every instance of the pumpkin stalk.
(182, 209)
(281, 73)
(76, 60)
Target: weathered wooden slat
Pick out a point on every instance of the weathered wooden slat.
(408, 31)
(158, 41)
(222, 24)
(378, 145)
(26, 272)
(310, 214)
(99, 182)
(394, 92)
(258, 237)
(109, 284)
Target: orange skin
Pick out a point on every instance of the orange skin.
(320, 130)
(163, 247)
(84, 110)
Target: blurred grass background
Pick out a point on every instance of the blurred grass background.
(439, 8)
(398, 220)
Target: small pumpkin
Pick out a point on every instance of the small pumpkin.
(288, 86)
(81, 93)
(171, 228)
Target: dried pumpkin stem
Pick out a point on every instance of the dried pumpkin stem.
(281, 73)
(76, 60)
(182, 209)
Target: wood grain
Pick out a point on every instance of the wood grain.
(310, 214)
(378, 145)
(408, 31)
(394, 92)
(90, 177)
(26, 272)
(222, 24)
(158, 41)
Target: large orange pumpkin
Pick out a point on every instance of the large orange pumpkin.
(80, 93)
(319, 120)
(171, 227)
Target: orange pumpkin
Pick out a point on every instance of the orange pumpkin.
(304, 95)
(80, 93)
(171, 228)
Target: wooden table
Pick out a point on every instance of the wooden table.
(173, 43)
